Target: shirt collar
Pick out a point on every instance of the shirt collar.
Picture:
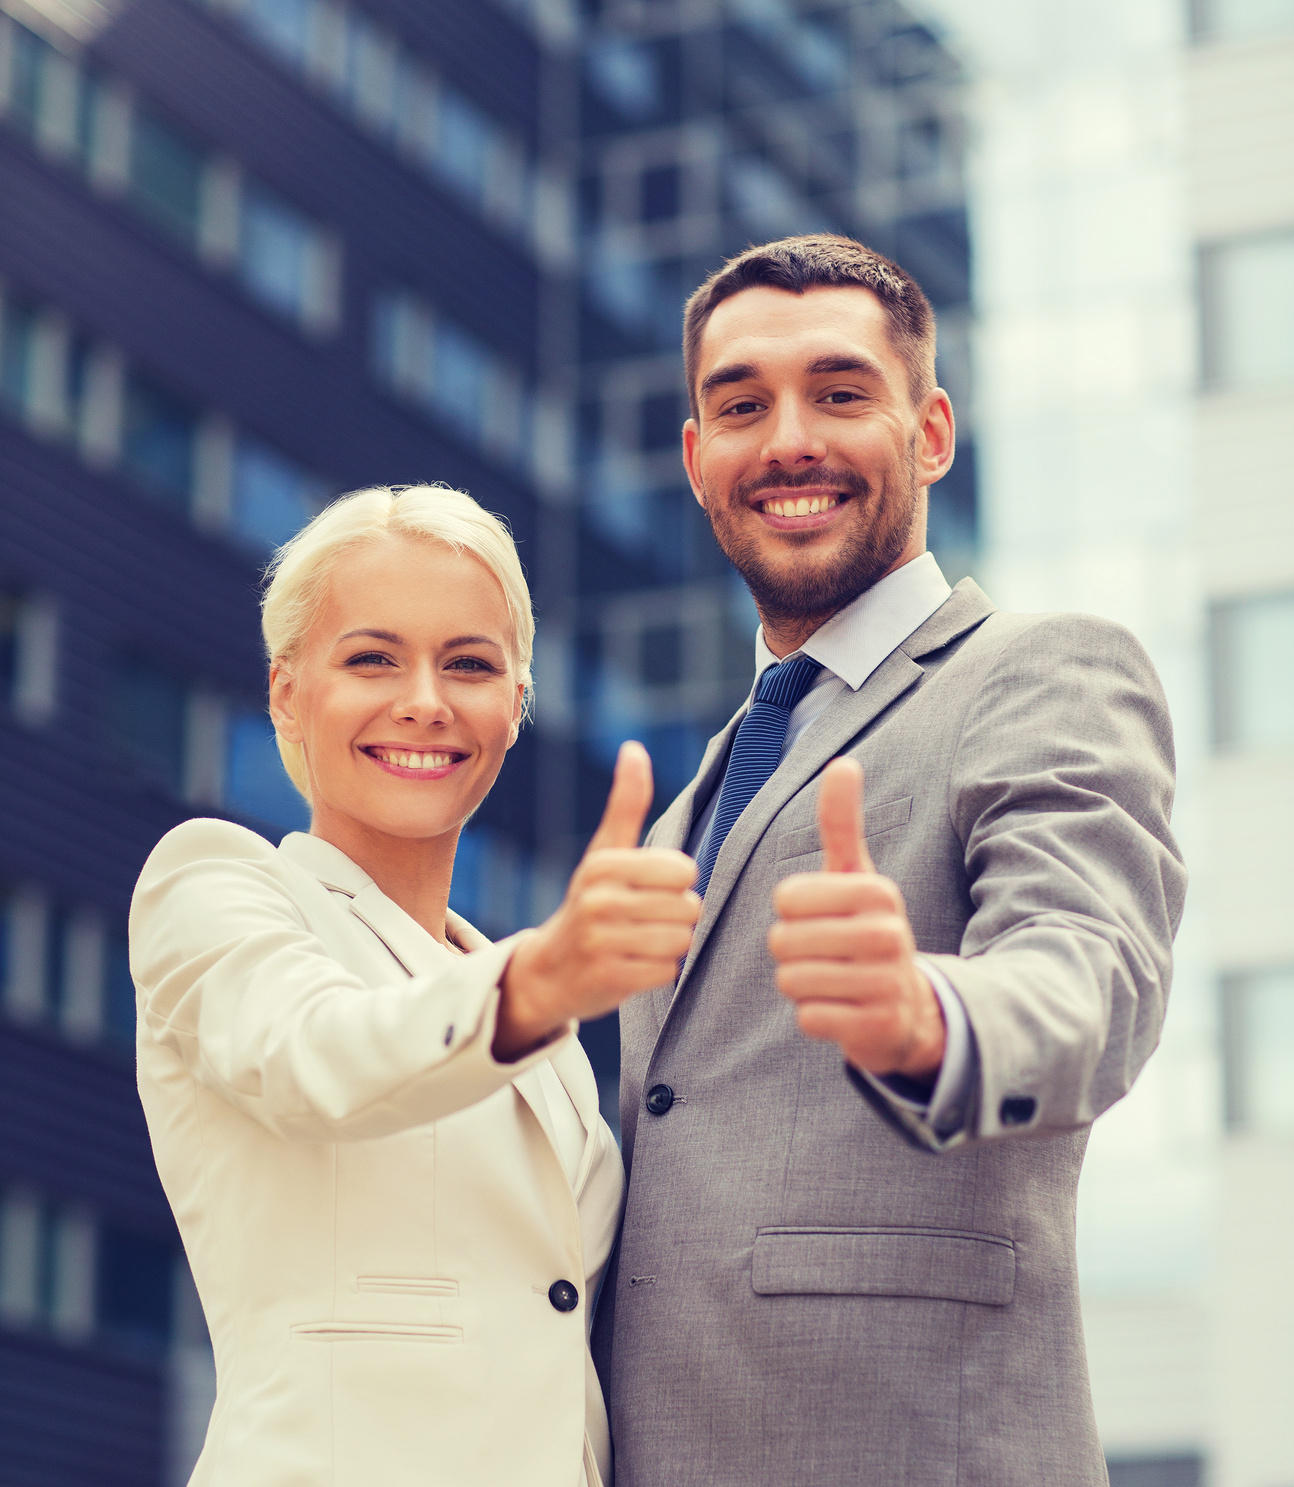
(855, 640)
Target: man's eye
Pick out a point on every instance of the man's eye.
(749, 406)
(842, 397)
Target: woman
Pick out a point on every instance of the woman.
(377, 1131)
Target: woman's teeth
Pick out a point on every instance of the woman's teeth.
(413, 761)
(802, 506)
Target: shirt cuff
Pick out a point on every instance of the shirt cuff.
(946, 1107)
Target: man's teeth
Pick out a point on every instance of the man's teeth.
(801, 506)
(407, 760)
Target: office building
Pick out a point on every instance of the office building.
(1133, 212)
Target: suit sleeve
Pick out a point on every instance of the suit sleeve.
(1060, 793)
(232, 979)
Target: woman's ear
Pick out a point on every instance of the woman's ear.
(283, 712)
(518, 712)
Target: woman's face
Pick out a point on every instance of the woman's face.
(403, 697)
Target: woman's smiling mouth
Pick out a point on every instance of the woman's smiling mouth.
(414, 764)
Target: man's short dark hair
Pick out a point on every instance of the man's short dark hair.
(814, 261)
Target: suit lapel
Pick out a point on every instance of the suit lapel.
(838, 726)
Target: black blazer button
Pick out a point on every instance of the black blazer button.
(659, 1098)
(1017, 1110)
(563, 1295)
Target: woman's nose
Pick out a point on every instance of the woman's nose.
(423, 701)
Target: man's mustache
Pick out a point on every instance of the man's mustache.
(848, 481)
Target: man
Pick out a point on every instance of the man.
(848, 1248)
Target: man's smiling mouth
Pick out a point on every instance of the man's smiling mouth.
(800, 505)
(413, 758)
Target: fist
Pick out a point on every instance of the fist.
(844, 949)
(625, 923)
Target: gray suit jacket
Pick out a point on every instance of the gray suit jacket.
(811, 1287)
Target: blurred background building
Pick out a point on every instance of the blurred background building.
(257, 252)
(1132, 213)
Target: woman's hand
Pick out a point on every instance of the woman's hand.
(624, 925)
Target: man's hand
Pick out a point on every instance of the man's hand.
(624, 925)
(844, 948)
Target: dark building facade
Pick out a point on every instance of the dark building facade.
(257, 252)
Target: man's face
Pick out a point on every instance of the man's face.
(809, 456)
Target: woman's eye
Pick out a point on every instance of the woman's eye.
(369, 658)
(469, 663)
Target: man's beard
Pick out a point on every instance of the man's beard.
(790, 591)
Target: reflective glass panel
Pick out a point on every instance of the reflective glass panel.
(1249, 311)
(256, 783)
(274, 251)
(166, 176)
(147, 719)
(158, 436)
(1269, 1094)
(273, 497)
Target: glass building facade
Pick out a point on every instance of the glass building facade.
(254, 253)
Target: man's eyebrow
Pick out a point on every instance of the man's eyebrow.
(737, 371)
(845, 363)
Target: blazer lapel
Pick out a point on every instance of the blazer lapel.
(842, 722)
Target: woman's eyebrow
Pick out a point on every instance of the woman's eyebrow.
(473, 640)
(389, 636)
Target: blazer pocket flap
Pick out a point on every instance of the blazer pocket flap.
(374, 1332)
(804, 840)
(942, 1264)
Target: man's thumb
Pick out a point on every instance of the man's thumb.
(840, 818)
(629, 801)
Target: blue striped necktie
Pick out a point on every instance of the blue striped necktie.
(755, 752)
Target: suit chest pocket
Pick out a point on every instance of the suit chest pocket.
(803, 841)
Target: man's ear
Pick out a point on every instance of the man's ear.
(692, 458)
(283, 712)
(936, 438)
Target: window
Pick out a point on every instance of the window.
(46, 1264)
(661, 193)
(166, 172)
(135, 1282)
(1238, 20)
(1251, 642)
(118, 992)
(626, 75)
(432, 361)
(285, 26)
(662, 421)
(1247, 306)
(285, 260)
(1258, 1044)
(17, 345)
(148, 718)
(159, 434)
(272, 497)
(256, 783)
(28, 655)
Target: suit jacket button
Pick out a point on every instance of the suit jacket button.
(1017, 1110)
(659, 1098)
(563, 1295)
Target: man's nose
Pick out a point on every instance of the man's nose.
(792, 442)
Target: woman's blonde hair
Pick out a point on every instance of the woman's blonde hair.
(298, 574)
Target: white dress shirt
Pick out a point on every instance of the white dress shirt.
(849, 647)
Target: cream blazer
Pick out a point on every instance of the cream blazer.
(374, 1210)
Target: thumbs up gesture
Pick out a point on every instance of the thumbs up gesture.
(624, 924)
(844, 949)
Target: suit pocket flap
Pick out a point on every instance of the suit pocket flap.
(374, 1332)
(943, 1264)
(804, 840)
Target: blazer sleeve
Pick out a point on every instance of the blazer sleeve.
(1060, 793)
(230, 976)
